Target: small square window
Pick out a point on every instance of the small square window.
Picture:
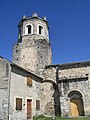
(18, 103)
(37, 104)
(29, 81)
(17, 59)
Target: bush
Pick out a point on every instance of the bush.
(41, 117)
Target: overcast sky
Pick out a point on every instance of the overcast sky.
(69, 23)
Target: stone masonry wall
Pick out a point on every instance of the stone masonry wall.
(20, 89)
(32, 54)
(68, 80)
(50, 77)
(35, 23)
(4, 88)
(33, 51)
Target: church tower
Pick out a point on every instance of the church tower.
(33, 50)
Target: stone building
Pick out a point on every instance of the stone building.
(31, 85)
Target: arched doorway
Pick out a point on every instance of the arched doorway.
(76, 104)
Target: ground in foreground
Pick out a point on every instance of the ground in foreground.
(41, 117)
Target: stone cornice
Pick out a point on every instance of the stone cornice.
(69, 65)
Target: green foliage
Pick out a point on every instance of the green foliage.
(42, 117)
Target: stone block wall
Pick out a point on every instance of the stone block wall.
(20, 89)
(34, 53)
(68, 80)
(4, 88)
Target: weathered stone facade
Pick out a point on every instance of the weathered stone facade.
(33, 51)
(71, 79)
(4, 88)
(20, 89)
(40, 87)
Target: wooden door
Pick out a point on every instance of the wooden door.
(29, 108)
(76, 108)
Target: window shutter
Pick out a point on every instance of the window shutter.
(18, 103)
(29, 81)
(37, 104)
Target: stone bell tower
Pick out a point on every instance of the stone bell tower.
(32, 50)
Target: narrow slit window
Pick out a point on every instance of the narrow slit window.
(18, 103)
(37, 104)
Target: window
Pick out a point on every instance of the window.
(29, 81)
(40, 29)
(29, 29)
(17, 59)
(18, 103)
(16, 50)
(37, 104)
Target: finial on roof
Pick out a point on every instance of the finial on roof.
(44, 18)
(24, 16)
(34, 15)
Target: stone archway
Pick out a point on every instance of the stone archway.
(76, 104)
